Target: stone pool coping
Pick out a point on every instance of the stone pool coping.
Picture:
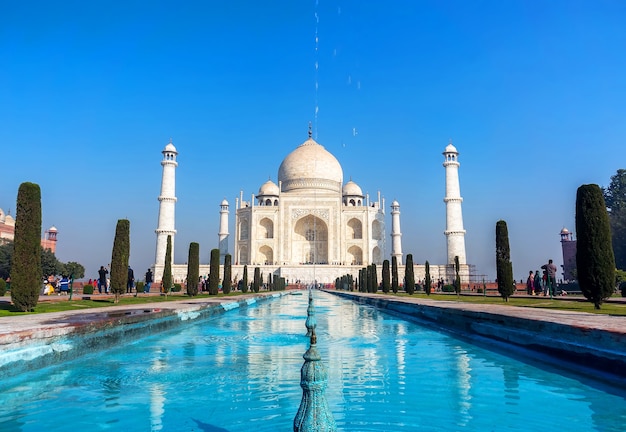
(585, 341)
(33, 341)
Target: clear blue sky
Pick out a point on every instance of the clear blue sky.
(533, 95)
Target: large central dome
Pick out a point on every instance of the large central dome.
(310, 166)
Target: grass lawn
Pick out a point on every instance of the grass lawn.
(59, 304)
(574, 304)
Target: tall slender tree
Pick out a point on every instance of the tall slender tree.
(193, 269)
(457, 277)
(394, 275)
(386, 277)
(167, 281)
(244, 281)
(256, 280)
(227, 282)
(427, 280)
(615, 199)
(374, 278)
(214, 275)
(26, 271)
(409, 275)
(119, 258)
(504, 267)
(595, 261)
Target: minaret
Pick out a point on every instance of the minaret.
(454, 232)
(396, 235)
(223, 234)
(167, 203)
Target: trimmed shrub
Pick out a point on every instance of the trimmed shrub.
(177, 287)
(3, 287)
(88, 289)
(428, 283)
(166, 281)
(26, 270)
(227, 281)
(119, 258)
(214, 275)
(244, 283)
(394, 275)
(504, 267)
(386, 277)
(193, 269)
(622, 288)
(448, 288)
(595, 260)
(139, 287)
(409, 275)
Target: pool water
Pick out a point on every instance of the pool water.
(240, 371)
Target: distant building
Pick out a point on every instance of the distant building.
(7, 232)
(569, 255)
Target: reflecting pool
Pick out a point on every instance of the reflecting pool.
(240, 371)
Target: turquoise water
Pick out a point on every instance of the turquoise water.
(240, 372)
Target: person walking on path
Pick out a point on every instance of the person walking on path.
(550, 269)
(146, 287)
(102, 281)
(131, 281)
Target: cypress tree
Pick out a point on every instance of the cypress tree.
(374, 278)
(595, 260)
(394, 274)
(270, 287)
(457, 278)
(409, 275)
(214, 275)
(166, 280)
(193, 269)
(256, 280)
(386, 277)
(427, 280)
(26, 270)
(119, 258)
(365, 278)
(244, 282)
(227, 283)
(504, 267)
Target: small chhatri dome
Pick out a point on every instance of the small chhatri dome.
(395, 203)
(268, 188)
(352, 189)
(564, 231)
(53, 229)
(310, 166)
(450, 148)
(224, 202)
(170, 148)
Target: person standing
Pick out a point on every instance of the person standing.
(537, 282)
(146, 287)
(102, 279)
(550, 269)
(530, 283)
(131, 280)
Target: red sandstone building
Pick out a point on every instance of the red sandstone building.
(7, 233)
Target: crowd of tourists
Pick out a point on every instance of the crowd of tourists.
(544, 283)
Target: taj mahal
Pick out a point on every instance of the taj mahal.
(311, 225)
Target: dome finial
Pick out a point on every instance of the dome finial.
(310, 130)
(170, 140)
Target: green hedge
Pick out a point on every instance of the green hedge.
(177, 288)
(448, 288)
(3, 287)
(88, 289)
